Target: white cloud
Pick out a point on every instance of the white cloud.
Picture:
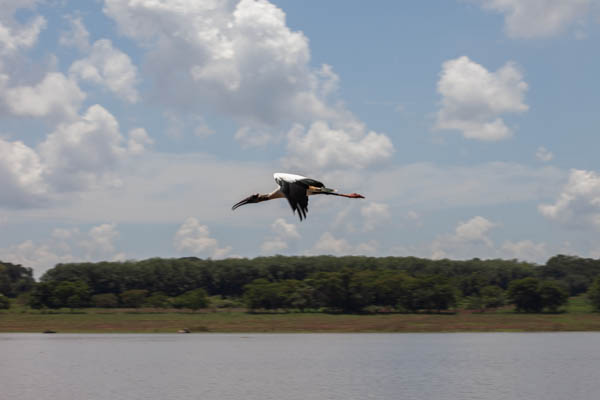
(56, 95)
(526, 250)
(543, 154)
(285, 232)
(473, 99)
(14, 35)
(138, 140)
(77, 156)
(63, 246)
(329, 244)
(227, 57)
(375, 214)
(100, 240)
(284, 229)
(84, 152)
(21, 175)
(474, 230)
(579, 202)
(470, 237)
(273, 246)
(324, 147)
(538, 18)
(195, 237)
(232, 55)
(110, 67)
(78, 36)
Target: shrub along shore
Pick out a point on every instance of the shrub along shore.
(577, 316)
(303, 294)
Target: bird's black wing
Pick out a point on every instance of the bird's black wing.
(295, 193)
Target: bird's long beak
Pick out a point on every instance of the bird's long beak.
(247, 200)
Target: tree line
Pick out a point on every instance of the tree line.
(348, 284)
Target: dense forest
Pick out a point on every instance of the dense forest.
(346, 284)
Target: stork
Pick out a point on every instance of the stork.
(296, 189)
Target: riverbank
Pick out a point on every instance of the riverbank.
(576, 318)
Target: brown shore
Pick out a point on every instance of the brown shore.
(171, 321)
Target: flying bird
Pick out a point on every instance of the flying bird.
(296, 189)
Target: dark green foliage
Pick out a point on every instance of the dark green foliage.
(194, 299)
(72, 294)
(158, 300)
(593, 294)
(15, 279)
(533, 295)
(492, 296)
(575, 273)
(134, 298)
(525, 296)
(4, 302)
(553, 296)
(348, 284)
(105, 300)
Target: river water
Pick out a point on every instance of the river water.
(548, 366)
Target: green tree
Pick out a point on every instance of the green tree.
(492, 296)
(524, 294)
(552, 295)
(262, 294)
(134, 298)
(4, 302)
(158, 300)
(105, 300)
(194, 299)
(15, 279)
(593, 294)
(71, 294)
(431, 293)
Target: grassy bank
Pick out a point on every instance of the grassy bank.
(577, 317)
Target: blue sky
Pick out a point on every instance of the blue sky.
(129, 128)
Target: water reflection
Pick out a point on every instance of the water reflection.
(301, 366)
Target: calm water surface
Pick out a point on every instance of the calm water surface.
(549, 366)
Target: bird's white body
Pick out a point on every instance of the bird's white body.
(296, 189)
(291, 178)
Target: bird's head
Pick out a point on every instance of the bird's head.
(255, 198)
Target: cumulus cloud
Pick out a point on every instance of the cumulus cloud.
(543, 154)
(138, 141)
(14, 35)
(21, 175)
(578, 204)
(468, 237)
(284, 229)
(78, 155)
(100, 240)
(78, 36)
(526, 250)
(55, 95)
(273, 246)
(110, 68)
(285, 232)
(329, 244)
(473, 99)
(323, 147)
(65, 245)
(82, 153)
(375, 214)
(194, 237)
(246, 63)
(538, 18)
